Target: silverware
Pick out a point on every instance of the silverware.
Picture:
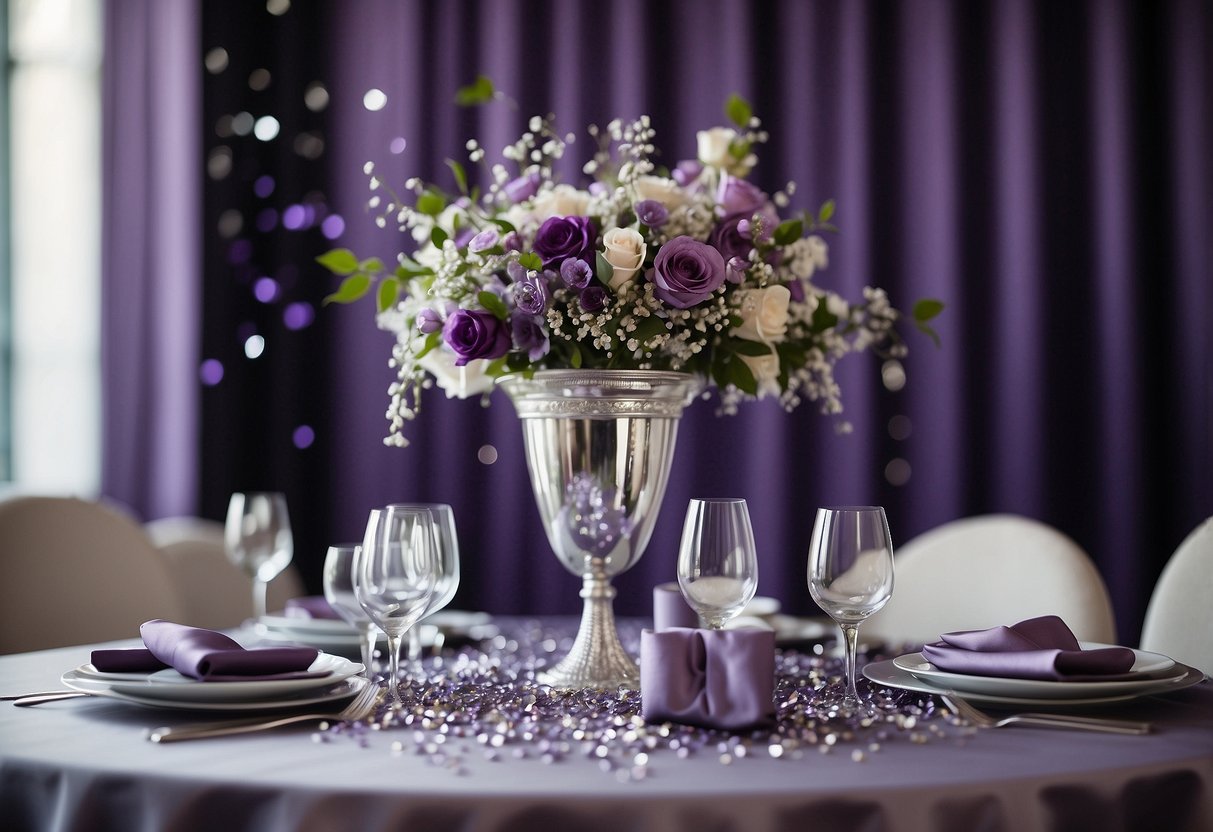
(359, 708)
(1083, 723)
(49, 696)
(8, 697)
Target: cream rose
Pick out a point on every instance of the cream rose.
(561, 201)
(625, 250)
(764, 315)
(659, 189)
(714, 146)
(458, 382)
(766, 372)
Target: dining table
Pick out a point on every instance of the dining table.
(479, 745)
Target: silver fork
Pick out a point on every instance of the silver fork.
(362, 706)
(1083, 723)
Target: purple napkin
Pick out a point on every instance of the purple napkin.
(712, 678)
(670, 609)
(309, 606)
(1039, 648)
(207, 656)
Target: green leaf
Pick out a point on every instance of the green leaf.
(823, 318)
(926, 309)
(741, 377)
(410, 269)
(479, 91)
(575, 358)
(389, 290)
(430, 203)
(438, 237)
(371, 265)
(431, 343)
(531, 261)
(738, 110)
(741, 346)
(339, 261)
(495, 367)
(494, 304)
(788, 232)
(827, 211)
(517, 361)
(925, 329)
(605, 270)
(504, 225)
(649, 328)
(461, 177)
(350, 290)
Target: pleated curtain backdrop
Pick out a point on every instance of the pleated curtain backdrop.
(1040, 167)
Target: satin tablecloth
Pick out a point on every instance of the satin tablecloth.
(84, 765)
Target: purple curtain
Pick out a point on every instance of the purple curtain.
(1040, 167)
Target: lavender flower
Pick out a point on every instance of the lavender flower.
(687, 171)
(428, 320)
(475, 333)
(530, 336)
(484, 240)
(522, 188)
(739, 196)
(652, 213)
(735, 270)
(531, 294)
(686, 272)
(576, 273)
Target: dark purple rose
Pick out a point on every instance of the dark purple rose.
(687, 171)
(524, 187)
(484, 240)
(728, 239)
(736, 195)
(652, 213)
(474, 333)
(593, 298)
(530, 336)
(531, 294)
(428, 320)
(560, 238)
(576, 273)
(686, 272)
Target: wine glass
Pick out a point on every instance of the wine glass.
(717, 563)
(448, 581)
(257, 538)
(851, 575)
(396, 571)
(339, 592)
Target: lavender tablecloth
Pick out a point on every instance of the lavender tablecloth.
(84, 765)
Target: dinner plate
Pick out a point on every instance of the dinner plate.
(168, 684)
(889, 674)
(316, 626)
(331, 694)
(1155, 670)
(792, 630)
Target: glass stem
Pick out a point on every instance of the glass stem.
(367, 642)
(393, 679)
(259, 590)
(850, 635)
(414, 644)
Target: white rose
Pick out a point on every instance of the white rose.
(625, 250)
(766, 372)
(458, 382)
(764, 314)
(561, 201)
(659, 189)
(714, 146)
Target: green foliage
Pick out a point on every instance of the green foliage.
(350, 290)
(742, 346)
(923, 311)
(431, 343)
(788, 232)
(531, 262)
(605, 270)
(461, 177)
(430, 202)
(649, 328)
(494, 304)
(340, 261)
(738, 111)
(389, 291)
(823, 318)
(480, 91)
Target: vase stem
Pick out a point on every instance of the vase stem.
(597, 658)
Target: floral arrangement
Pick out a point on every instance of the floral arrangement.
(693, 269)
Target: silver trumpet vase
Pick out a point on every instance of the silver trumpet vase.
(599, 445)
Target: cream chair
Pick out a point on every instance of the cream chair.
(1179, 619)
(215, 592)
(76, 572)
(989, 570)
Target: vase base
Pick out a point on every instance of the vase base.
(573, 673)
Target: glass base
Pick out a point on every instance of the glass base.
(597, 658)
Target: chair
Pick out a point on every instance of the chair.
(993, 569)
(216, 593)
(1179, 619)
(76, 572)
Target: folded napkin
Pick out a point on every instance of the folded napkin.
(670, 609)
(309, 606)
(712, 678)
(1039, 648)
(206, 655)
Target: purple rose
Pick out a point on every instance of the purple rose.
(512, 241)
(687, 171)
(530, 336)
(592, 298)
(737, 195)
(576, 273)
(735, 270)
(524, 187)
(686, 272)
(474, 333)
(531, 294)
(733, 237)
(652, 213)
(796, 290)
(428, 320)
(560, 238)
(484, 240)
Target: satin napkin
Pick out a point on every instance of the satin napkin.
(670, 609)
(309, 606)
(1040, 648)
(207, 656)
(711, 678)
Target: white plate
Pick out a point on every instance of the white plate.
(334, 693)
(790, 629)
(1155, 669)
(887, 673)
(761, 606)
(314, 626)
(171, 685)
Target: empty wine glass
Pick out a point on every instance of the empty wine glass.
(448, 581)
(339, 592)
(397, 569)
(851, 575)
(257, 538)
(717, 562)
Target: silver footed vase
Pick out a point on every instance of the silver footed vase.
(599, 444)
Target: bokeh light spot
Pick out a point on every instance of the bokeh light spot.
(893, 375)
(242, 123)
(277, 7)
(240, 251)
(303, 437)
(215, 60)
(294, 217)
(309, 145)
(264, 186)
(211, 372)
(374, 99)
(254, 346)
(266, 128)
(398, 145)
(259, 79)
(230, 224)
(266, 220)
(487, 454)
(315, 97)
(897, 472)
(298, 315)
(900, 427)
(265, 289)
(332, 227)
(219, 162)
